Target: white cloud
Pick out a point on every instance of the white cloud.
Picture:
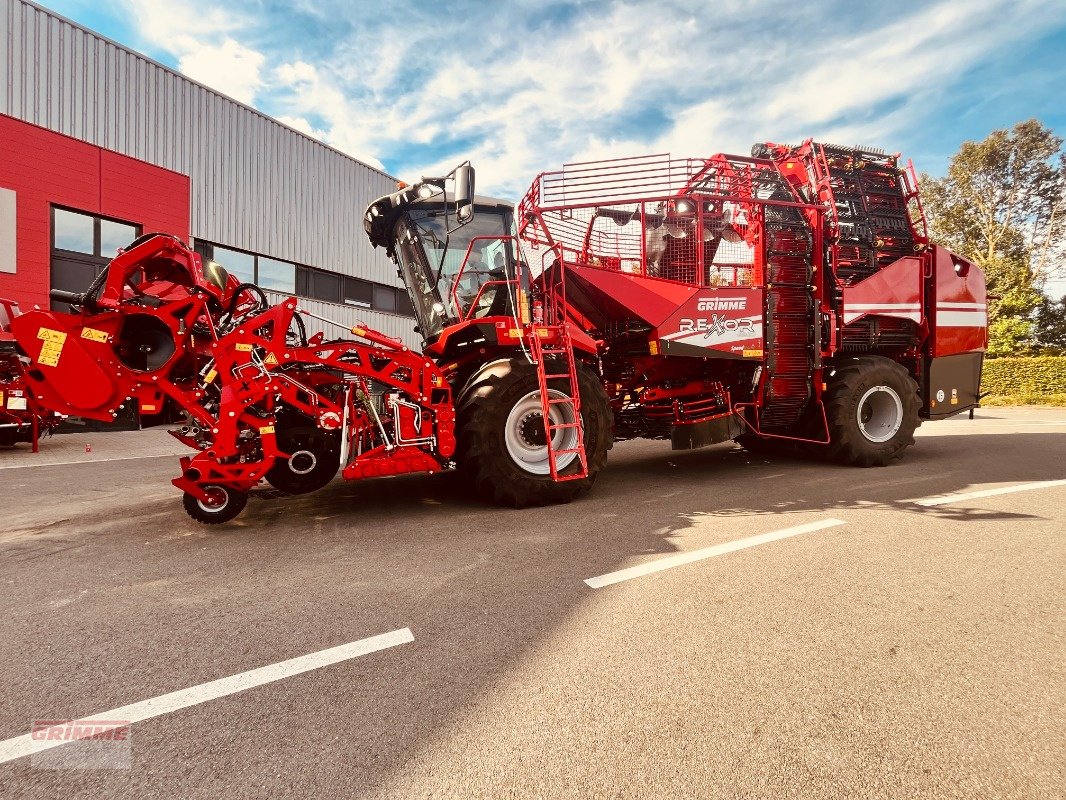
(229, 68)
(213, 55)
(524, 87)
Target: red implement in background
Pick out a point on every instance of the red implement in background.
(22, 416)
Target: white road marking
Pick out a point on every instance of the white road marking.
(87, 461)
(27, 744)
(707, 552)
(954, 498)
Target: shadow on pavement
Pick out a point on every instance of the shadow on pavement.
(170, 604)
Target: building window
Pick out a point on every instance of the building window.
(90, 235)
(278, 276)
(114, 235)
(325, 286)
(385, 298)
(82, 246)
(358, 293)
(267, 273)
(73, 232)
(286, 277)
(240, 265)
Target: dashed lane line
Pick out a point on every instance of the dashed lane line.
(39, 740)
(955, 498)
(86, 461)
(707, 552)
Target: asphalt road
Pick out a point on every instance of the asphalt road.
(912, 650)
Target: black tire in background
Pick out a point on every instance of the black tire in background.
(872, 407)
(315, 455)
(499, 427)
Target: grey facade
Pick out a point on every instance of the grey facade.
(256, 184)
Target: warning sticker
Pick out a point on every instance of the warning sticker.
(210, 376)
(243, 347)
(270, 359)
(267, 429)
(52, 348)
(49, 335)
(93, 335)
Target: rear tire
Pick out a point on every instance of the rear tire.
(500, 450)
(228, 504)
(872, 409)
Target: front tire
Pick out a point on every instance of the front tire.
(872, 409)
(224, 505)
(501, 448)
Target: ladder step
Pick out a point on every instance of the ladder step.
(558, 453)
(557, 401)
(556, 377)
(575, 477)
(564, 425)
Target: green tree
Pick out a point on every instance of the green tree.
(1050, 321)
(1001, 205)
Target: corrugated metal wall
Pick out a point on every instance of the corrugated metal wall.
(256, 184)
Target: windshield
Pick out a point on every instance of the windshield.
(430, 261)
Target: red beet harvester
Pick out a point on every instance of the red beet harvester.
(790, 299)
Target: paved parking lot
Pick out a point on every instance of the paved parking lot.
(817, 631)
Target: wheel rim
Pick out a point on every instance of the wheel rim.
(219, 495)
(302, 462)
(524, 433)
(879, 414)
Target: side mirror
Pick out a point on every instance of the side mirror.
(464, 193)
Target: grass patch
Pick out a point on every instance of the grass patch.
(1025, 400)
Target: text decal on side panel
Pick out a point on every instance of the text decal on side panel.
(718, 322)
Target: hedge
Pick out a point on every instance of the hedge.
(1024, 376)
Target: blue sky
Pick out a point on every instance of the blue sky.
(524, 86)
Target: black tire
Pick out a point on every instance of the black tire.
(8, 438)
(231, 504)
(872, 408)
(315, 455)
(482, 454)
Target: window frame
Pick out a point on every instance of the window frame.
(96, 219)
(304, 277)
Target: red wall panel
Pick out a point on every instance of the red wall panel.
(45, 168)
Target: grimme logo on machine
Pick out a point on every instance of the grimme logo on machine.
(722, 304)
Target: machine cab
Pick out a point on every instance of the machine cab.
(455, 270)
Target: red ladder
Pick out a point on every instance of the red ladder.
(562, 350)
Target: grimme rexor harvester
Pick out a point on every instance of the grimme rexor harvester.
(791, 297)
(22, 417)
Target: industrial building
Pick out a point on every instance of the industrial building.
(99, 144)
